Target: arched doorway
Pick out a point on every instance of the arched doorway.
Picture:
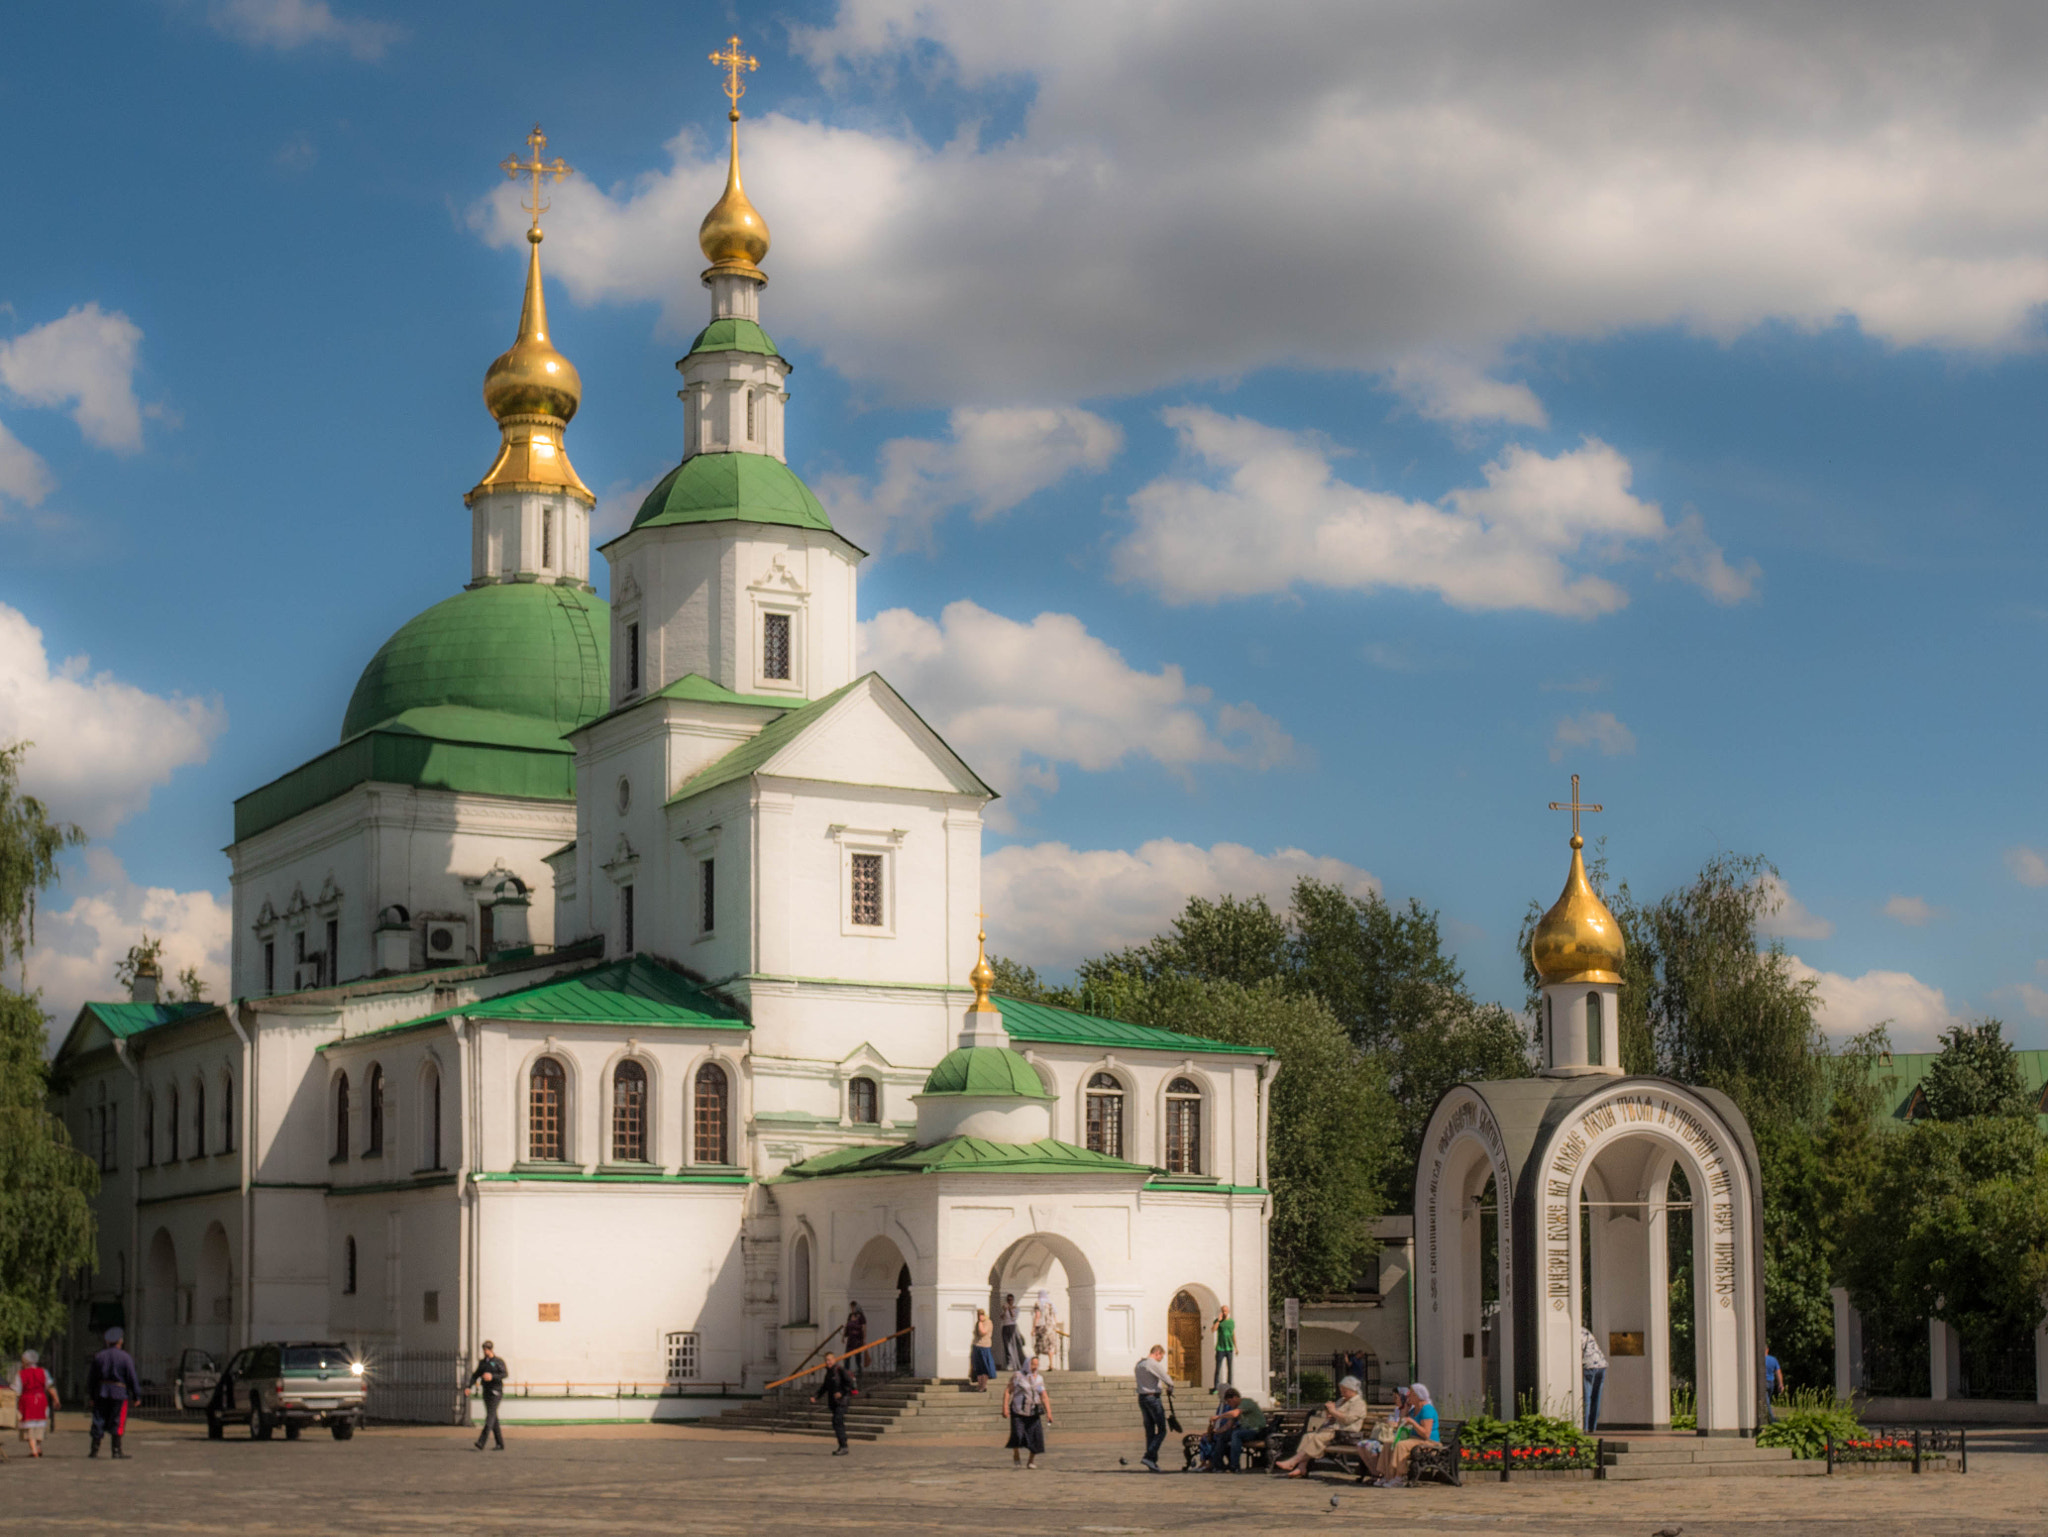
(903, 1314)
(159, 1344)
(216, 1301)
(1184, 1339)
(880, 1282)
(1053, 1283)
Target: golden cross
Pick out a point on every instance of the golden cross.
(733, 62)
(1574, 806)
(537, 168)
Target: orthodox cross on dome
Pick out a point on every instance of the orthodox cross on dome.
(734, 63)
(538, 169)
(1574, 806)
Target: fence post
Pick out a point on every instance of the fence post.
(1830, 1436)
(1600, 1458)
(1507, 1453)
(1962, 1451)
(1916, 1451)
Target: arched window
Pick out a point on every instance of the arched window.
(376, 1143)
(430, 1117)
(149, 1127)
(1105, 1130)
(1549, 1033)
(547, 1093)
(1183, 1127)
(711, 1108)
(227, 1112)
(199, 1118)
(341, 1116)
(629, 1113)
(800, 1281)
(1596, 1034)
(348, 1274)
(863, 1103)
(174, 1123)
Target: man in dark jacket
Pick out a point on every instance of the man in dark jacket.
(837, 1389)
(854, 1335)
(111, 1385)
(490, 1374)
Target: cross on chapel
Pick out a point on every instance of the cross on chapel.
(1575, 806)
(535, 167)
(732, 61)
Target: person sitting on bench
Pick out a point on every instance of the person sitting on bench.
(1341, 1417)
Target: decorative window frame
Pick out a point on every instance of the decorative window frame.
(430, 1066)
(635, 1053)
(778, 590)
(699, 846)
(887, 842)
(738, 1114)
(572, 1102)
(1122, 1073)
(1206, 1141)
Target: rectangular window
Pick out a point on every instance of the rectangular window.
(867, 890)
(626, 920)
(682, 1357)
(547, 537)
(632, 657)
(431, 1311)
(707, 895)
(270, 965)
(750, 416)
(775, 646)
(333, 966)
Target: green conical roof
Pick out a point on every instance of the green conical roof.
(985, 1071)
(538, 653)
(734, 335)
(724, 488)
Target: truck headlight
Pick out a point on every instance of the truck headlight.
(355, 1368)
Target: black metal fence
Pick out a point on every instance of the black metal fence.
(2006, 1372)
(1895, 1362)
(416, 1387)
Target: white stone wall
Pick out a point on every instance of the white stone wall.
(535, 535)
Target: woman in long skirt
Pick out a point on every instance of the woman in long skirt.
(37, 1396)
(1029, 1411)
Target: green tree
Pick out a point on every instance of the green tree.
(1976, 1073)
(46, 1186)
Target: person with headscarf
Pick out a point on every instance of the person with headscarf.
(1340, 1417)
(1028, 1408)
(1415, 1422)
(111, 1385)
(35, 1397)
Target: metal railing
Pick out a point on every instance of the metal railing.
(882, 1358)
(416, 1387)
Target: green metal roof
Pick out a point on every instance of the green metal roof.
(751, 755)
(724, 488)
(635, 991)
(1047, 1025)
(537, 652)
(964, 1155)
(1898, 1078)
(987, 1071)
(124, 1021)
(734, 336)
(698, 689)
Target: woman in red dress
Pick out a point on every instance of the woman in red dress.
(35, 1398)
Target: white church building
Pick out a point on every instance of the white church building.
(611, 989)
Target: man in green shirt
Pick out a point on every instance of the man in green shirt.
(1237, 1421)
(1226, 1348)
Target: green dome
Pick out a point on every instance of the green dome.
(536, 652)
(724, 488)
(733, 336)
(991, 1071)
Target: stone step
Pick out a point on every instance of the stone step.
(1737, 1451)
(1793, 1469)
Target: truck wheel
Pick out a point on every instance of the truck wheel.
(259, 1427)
(343, 1430)
(291, 1432)
(215, 1430)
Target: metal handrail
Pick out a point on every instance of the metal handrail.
(812, 1352)
(871, 1345)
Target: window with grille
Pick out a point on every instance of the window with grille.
(1105, 1115)
(340, 1119)
(683, 1356)
(750, 416)
(629, 1113)
(376, 1142)
(707, 895)
(862, 1102)
(547, 1089)
(867, 890)
(711, 1115)
(775, 646)
(1183, 1127)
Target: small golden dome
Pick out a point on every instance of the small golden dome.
(734, 235)
(983, 976)
(1578, 939)
(530, 378)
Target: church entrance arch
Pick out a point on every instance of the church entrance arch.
(1184, 1339)
(159, 1343)
(880, 1283)
(1055, 1286)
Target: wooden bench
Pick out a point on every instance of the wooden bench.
(1283, 1432)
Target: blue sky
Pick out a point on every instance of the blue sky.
(1284, 451)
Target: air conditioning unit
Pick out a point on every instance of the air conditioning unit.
(447, 941)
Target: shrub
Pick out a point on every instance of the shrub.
(1316, 1387)
(1808, 1419)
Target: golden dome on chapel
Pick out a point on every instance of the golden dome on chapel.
(734, 235)
(1578, 939)
(530, 378)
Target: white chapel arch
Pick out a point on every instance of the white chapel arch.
(1462, 1153)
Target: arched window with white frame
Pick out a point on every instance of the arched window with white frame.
(547, 1104)
(712, 1112)
(800, 1280)
(374, 1143)
(340, 1117)
(1183, 1127)
(629, 1113)
(430, 1116)
(1104, 1131)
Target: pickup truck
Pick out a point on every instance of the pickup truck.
(289, 1383)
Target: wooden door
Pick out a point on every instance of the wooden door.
(1184, 1339)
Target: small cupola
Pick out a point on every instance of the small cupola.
(983, 1087)
(1578, 953)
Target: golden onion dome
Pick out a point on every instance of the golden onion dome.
(1578, 939)
(734, 235)
(983, 976)
(530, 378)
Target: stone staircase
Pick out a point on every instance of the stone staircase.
(1682, 1456)
(928, 1408)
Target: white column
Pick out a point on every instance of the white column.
(1848, 1343)
(1941, 1378)
(2041, 1364)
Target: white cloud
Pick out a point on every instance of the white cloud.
(1051, 905)
(1914, 912)
(1019, 700)
(614, 511)
(85, 360)
(993, 460)
(101, 745)
(1916, 1012)
(24, 477)
(1786, 917)
(1598, 729)
(1363, 188)
(1265, 513)
(286, 25)
(2029, 867)
(77, 947)
(1697, 559)
(1453, 389)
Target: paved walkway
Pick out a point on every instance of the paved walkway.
(659, 1479)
